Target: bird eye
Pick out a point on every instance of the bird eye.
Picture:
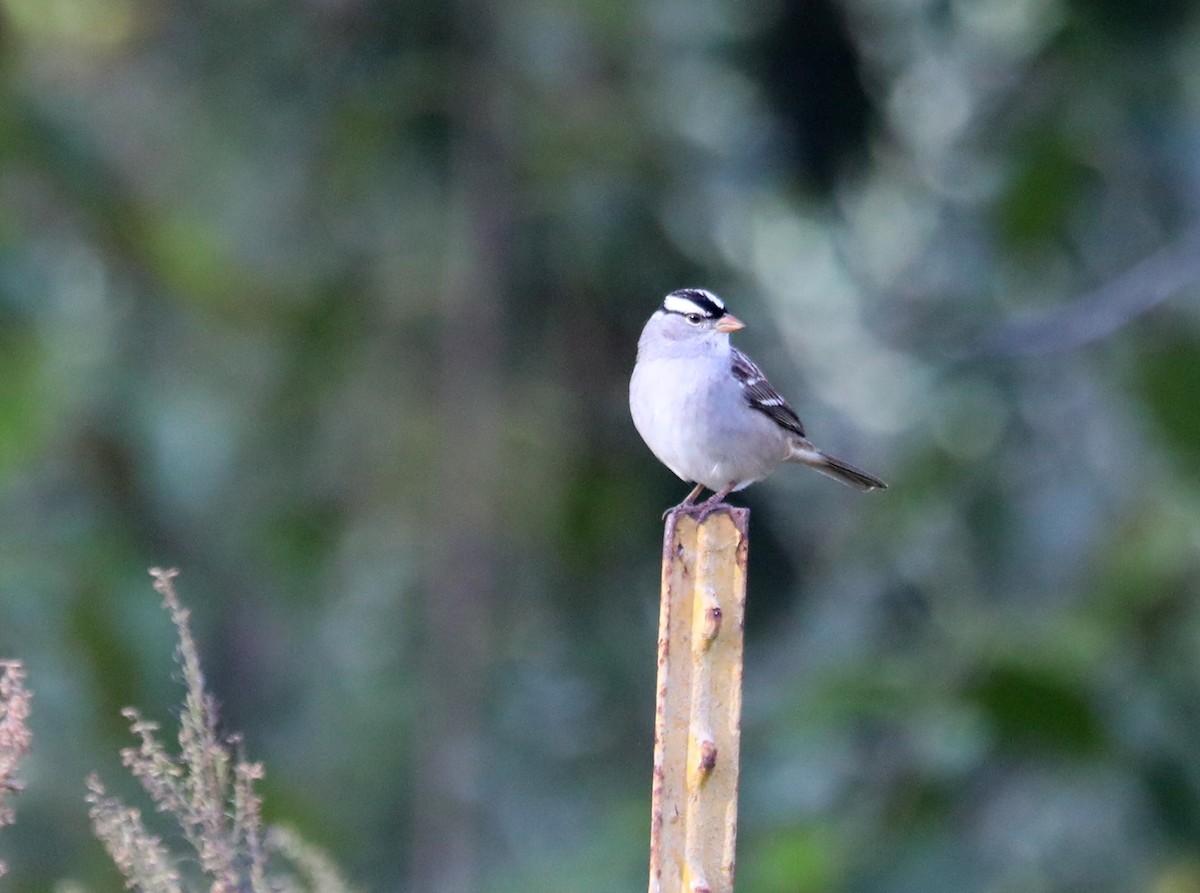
(694, 318)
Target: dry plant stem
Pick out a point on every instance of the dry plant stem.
(139, 856)
(15, 737)
(322, 875)
(697, 724)
(208, 788)
(205, 786)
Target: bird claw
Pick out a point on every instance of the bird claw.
(699, 511)
(707, 508)
(684, 508)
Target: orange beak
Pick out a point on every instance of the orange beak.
(729, 323)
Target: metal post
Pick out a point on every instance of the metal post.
(698, 708)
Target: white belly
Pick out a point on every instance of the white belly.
(699, 428)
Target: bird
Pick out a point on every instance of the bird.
(707, 411)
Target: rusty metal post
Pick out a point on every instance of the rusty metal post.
(698, 709)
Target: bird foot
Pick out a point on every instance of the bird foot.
(700, 511)
(682, 509)
(708, 507)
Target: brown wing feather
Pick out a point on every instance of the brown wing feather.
(762, 396)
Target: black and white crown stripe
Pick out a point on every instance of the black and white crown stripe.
(687, 301)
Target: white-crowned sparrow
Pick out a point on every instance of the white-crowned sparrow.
(707, 411)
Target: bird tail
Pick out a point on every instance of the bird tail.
(835, 468)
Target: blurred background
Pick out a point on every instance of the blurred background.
(333, 303)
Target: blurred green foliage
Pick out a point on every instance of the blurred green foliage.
(333, 303)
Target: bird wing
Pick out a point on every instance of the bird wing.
(761, 394)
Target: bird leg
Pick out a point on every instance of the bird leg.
(704, 509)
(688, 503)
